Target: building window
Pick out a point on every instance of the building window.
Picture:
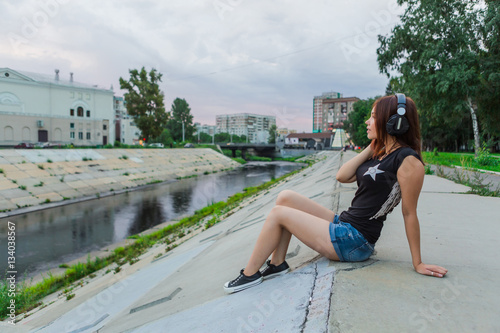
(88, 113)
(80, 135)
(104, 127)
(79, 111)
(88, 135)
(71, 135)
(71, 125)
(72, 112)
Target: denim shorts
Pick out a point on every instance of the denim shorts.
(349, 243)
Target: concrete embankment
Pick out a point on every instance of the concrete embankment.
(41, 178)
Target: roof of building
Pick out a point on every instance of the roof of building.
(244, 115)
(325, 135)
(340, 100)
(51, 79)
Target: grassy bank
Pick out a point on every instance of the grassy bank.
(467, 174)
(465, 160)
(28, 296)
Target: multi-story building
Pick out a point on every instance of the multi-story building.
(207, 129)
(126, 130)
(43, 108)
(254, 126)
(330, 111)
(285, 131)
(130, 134)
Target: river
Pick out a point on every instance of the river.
(47, 238)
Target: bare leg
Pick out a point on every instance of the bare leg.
(311, 230)
(297, 201)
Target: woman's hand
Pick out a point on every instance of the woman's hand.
(431, 270)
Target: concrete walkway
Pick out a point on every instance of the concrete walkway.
(182, 290)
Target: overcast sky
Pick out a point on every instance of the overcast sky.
(222, 56)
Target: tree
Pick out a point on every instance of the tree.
(222, 137)
(355, 124)
(435, 49)
(272, 134)
(165, 138)
(490, 71)
(144, 101)
(205, 138)
(181, 114)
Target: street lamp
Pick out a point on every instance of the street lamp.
(180, 121)
(183, 139)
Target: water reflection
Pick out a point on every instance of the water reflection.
(49, 237)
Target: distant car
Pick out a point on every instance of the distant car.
(41, 145)
(156, 145)
(54, 145)
(188, 145)
(24, 145)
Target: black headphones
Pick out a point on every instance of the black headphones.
(397, 123)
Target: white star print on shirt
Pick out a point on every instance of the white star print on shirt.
(373, 171)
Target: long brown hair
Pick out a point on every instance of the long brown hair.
(384, 108)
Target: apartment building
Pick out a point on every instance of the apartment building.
(330, 111)
(254, 126)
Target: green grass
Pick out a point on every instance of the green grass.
(460, 159)
(239, 160)
(29, 297)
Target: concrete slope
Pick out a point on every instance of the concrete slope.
(182, 290)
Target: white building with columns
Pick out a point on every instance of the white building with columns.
(46, 108)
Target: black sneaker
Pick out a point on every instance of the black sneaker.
(273, 270)
(242, 282)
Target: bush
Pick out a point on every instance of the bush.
(485, 159)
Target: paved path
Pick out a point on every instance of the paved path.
(182, 290)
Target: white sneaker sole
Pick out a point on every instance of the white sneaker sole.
(231, 290)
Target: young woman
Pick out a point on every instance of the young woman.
(390, 170)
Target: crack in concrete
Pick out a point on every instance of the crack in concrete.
(317, 195)
(303, 325)
(158, 301)
(357, 266)
(323, 179)
(252, 220)
(330, 301)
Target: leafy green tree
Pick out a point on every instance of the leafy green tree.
(435, 49)
(205, 138)
(166, 138)
(222, 137)
(490, 71)
(355, 124)
(272, 134)
(181, 114)
(144, 101)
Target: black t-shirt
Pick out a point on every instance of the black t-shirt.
(378, 193)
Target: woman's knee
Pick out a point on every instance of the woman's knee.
(285, 197)
(278, 213)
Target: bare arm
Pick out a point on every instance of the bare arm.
(411, 178)
(347, 172)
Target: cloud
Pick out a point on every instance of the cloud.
(222, 56)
